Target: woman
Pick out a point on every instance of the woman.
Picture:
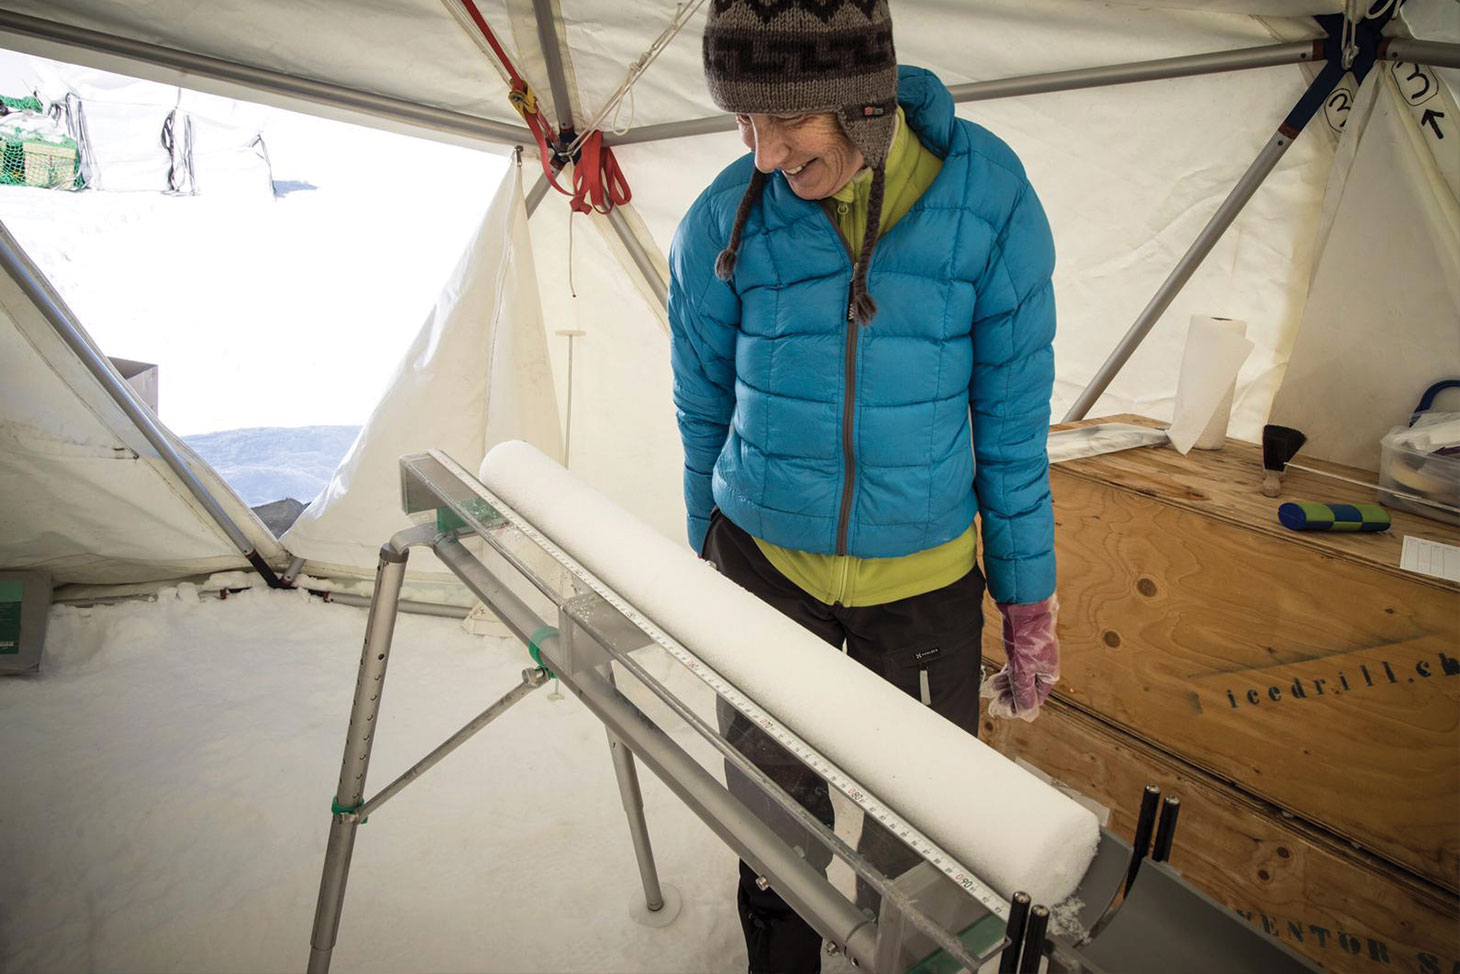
(862, 317)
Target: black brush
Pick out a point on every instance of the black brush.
(1279, 445)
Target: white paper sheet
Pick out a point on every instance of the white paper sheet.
(1430, 558)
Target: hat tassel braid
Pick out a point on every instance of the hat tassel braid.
(725, 263)
(863, 307)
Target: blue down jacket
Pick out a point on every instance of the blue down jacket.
(821, 436)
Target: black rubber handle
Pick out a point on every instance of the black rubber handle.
(1166, 829)
(1141, 844)
(1014, 930)
(1034, 940)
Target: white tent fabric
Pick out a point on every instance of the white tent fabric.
(1128, 174)
(86, 497)
(476, 374)
(624, 439)
(1383, 313)
(416, 51)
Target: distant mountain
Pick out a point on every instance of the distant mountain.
(270, 463)
(279, 516)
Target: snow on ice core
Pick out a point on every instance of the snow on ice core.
(1013, 830)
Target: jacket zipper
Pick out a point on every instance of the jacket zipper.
(848, 407)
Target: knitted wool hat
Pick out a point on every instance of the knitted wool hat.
(779, 57)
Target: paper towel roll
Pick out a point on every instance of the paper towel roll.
(1215, 351)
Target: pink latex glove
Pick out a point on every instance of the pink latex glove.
(1033, 655)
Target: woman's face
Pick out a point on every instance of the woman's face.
(811, 151)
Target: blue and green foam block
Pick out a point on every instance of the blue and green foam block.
(1310, 516)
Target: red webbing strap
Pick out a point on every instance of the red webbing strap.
(598, 183)
(522, 99)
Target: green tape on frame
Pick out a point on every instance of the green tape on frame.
(977, 938)
(10, 602)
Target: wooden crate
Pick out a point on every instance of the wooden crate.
(1347, 910)
(1305, 668)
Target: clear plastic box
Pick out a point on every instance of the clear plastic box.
(1420, 460)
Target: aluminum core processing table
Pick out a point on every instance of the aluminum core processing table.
(938, 916)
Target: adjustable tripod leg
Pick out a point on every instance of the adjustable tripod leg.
(332, 891)
(369, 686)
(633, 799)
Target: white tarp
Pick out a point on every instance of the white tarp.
(83, 495)
(476, 374)
(227, 152)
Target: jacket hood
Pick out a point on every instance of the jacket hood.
(929, 108)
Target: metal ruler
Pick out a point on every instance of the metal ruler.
(781, 734)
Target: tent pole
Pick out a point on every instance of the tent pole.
(535, 195)
(547, 24)
(555, 62)
(20, 268)
(1158, 70)
(258, 79)
(1115, 74)
(296, 565)
(1432, 53)
(640, 255)
(1307, 106)
(673, 130)
(548, 35)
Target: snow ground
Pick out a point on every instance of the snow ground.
(167, 785)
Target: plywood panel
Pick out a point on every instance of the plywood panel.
(1227, 484)
(1308, 670)
(1346, 910)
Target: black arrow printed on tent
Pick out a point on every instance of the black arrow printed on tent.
(1432, 119)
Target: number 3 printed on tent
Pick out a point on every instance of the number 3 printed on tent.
(1419, 85)
(1338, 104)
(1416, 81)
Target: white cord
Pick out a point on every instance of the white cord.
(1351, 19)
(683, 13)
(618, 129)
(571, 289)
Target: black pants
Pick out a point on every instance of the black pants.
(927, 646)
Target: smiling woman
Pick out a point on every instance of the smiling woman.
(823, 384)
(810, 149)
